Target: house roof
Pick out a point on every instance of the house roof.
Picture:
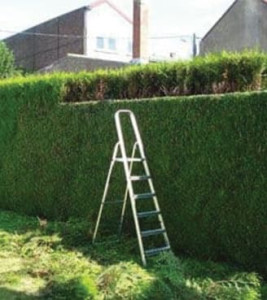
(219, 20)
(98, 3)
(225, 13)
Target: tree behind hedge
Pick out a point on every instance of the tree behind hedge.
(7, 62)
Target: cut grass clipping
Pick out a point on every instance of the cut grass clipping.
(55, 260)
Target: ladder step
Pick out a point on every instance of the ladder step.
(148, 214)
(144, 196)
(152, 232)
(155, 251)
(143, 177)
(120, 159)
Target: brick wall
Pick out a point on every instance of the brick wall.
(34, 51)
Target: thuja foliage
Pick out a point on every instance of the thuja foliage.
(7, 64)
(59, 262)
(214, 73)
(207, 155)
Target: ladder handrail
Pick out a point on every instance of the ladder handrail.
(135, 128)
(127, 169)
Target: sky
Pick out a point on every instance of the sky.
(168, 18)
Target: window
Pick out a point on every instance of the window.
(100, 43)
(112, 44)
(106, 44)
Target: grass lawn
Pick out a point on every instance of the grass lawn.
(57, 261)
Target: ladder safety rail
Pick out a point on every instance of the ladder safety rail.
(129, 190)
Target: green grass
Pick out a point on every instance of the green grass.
(57, 261)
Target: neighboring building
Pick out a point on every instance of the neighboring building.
(78, 63)
(243, 26)
(99, 31)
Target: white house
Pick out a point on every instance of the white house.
(109, 32)
(98, 31)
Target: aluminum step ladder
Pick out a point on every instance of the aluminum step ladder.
(120, 156)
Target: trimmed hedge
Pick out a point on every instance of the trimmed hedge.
(211, 74)
(207, 155)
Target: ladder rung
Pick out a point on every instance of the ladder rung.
(144, 196)
(130, 159)
(156, 250)
(142, 177)
(148, 213)
(114, 202)
(152, 232)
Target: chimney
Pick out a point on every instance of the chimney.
(140, 32)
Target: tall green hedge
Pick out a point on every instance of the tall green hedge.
(207, 155)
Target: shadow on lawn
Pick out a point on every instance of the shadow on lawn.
(77, 290)
(76, 234)
(109, 249)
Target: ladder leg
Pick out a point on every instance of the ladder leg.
(134, 210)
(138, 232)
(123, 211)
(105, 192)
(127, 174)
(156, 204)
(126, 192)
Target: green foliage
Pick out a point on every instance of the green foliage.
(191, 279)
(124, 280)
(264, 81)
(207, 155)
(214, 73)
(171, 282)
(47, 263)
(80, 288)
(225, 72)
(7, 66)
